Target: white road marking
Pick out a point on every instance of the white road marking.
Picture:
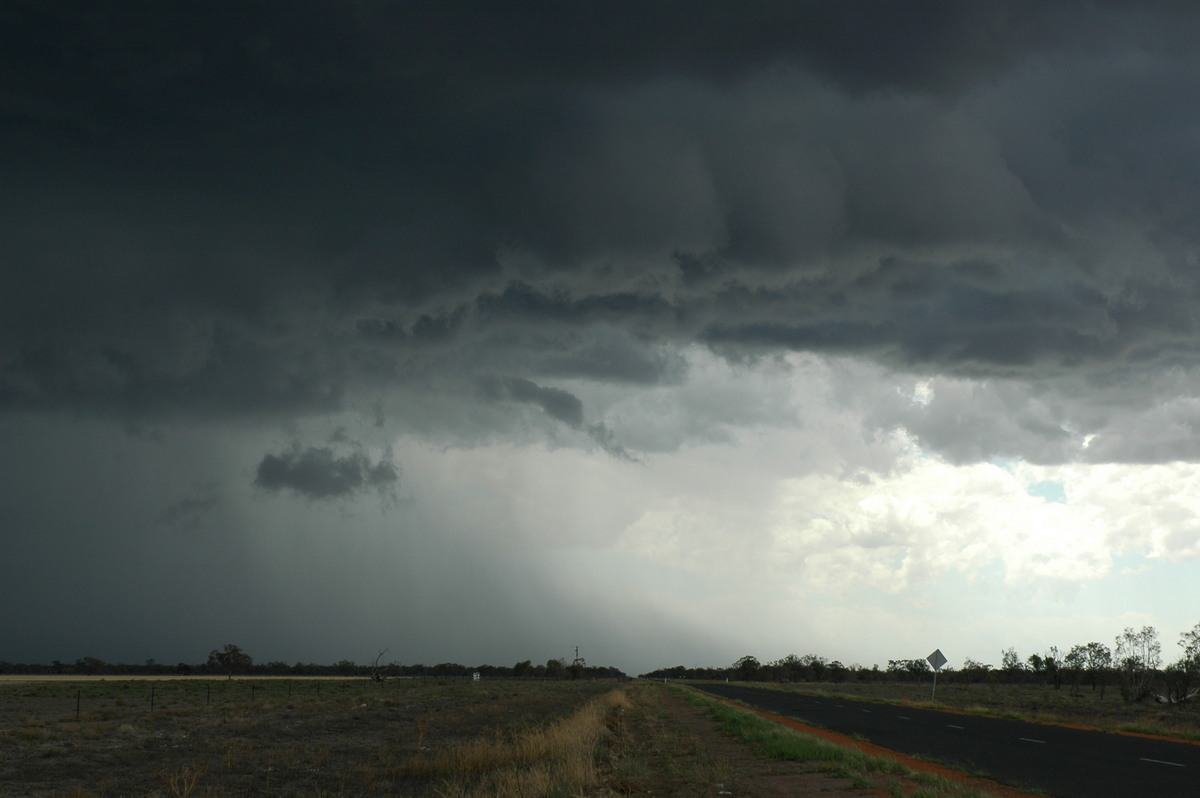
(867, 711)
(904, 717)
(952, 726)
(1031, 740)
(1161, 762)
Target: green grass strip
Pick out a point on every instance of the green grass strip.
(783, 743)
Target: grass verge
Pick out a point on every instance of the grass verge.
(864, 770)
(1104, 710)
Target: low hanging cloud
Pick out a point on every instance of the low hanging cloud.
(557, 403)
(979, 211)
(322, 474)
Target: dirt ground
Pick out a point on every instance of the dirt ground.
(688, 756)
(354, 738)
(253, 738)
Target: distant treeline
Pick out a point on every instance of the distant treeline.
(814, 668)
(809, 668)
(1134, 665)
(91, 666)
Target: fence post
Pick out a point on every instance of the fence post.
(78, 693)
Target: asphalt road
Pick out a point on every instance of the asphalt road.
(1063, 762)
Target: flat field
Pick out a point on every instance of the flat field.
(218, 737)
(435, 738)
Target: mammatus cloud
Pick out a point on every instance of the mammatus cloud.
(322, 474)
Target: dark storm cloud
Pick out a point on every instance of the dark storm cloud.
(451, 225)
(559, 404)
(246, 213)
(189, 511)
(924, 316)
(320, 473)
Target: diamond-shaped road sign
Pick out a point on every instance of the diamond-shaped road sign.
(937, 659)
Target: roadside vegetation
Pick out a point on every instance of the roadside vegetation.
(1029, 702)
(865, 771)
(1123, 688)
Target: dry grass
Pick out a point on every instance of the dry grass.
(220, 739)
(559, 757)
(182, 782)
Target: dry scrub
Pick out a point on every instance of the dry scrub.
(560, 757)
(332, 738)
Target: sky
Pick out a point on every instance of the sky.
(673, 331)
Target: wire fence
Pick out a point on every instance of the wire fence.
(100, 698)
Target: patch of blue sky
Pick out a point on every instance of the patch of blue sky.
(1049, 490)
(1008, 465)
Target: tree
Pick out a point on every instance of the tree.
(789, 668)
(90, 665)
(814, 665)
(1097, 663)
(378, 674)
(1138, 655)
(229, 660)
(1190, 642)
(746, 668)
(1052, 664)
(1038, 666)
(1075, 662)
(523, 669)
(973, 671)
(555, 668)
(1010, 663)
(1181, 676)
(1178, 681)
(908, 669)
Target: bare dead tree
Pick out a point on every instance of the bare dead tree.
(377, 673)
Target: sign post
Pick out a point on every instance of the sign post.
(937, 659)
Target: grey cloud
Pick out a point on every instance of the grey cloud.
(216, 223)
(320, 473)
(219, 370)
(607, 440)
(189, 511)
(611, 356)
(968, 422)
(522, 301)
(1169, 431)
(245, 216)
(559, 404)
